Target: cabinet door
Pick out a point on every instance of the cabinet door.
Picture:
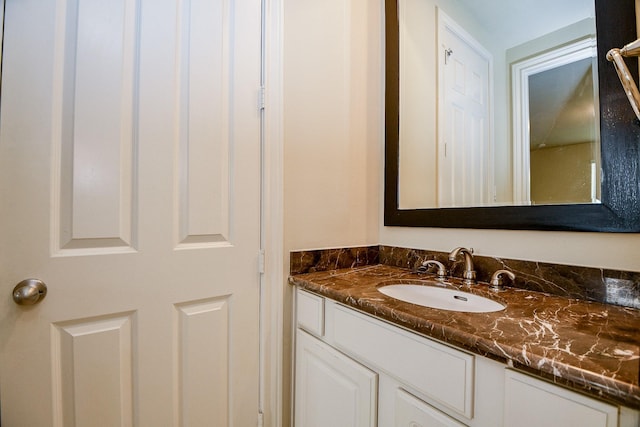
(533, 403)
(332, 389)
(413, 412)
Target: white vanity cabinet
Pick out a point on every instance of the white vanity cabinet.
(352, 369)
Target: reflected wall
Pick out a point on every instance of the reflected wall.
(420, 50)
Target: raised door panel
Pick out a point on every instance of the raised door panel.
(94, 118)
(330, 388)
(93, 370)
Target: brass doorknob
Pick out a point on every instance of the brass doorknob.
(29, 292)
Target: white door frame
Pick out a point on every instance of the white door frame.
(520, 73)
(2, 6)
(273, 279)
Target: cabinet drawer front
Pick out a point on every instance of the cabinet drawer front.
(439, 372)
(310, 312)
(530, 402)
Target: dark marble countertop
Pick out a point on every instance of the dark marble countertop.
(590, 347)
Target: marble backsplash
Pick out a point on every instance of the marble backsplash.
(586, 283)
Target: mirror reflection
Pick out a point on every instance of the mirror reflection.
(507, 112)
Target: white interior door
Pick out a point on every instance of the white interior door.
(130, 185)
(464, 122)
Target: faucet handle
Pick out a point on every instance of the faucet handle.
(496, 280)
(442, 271)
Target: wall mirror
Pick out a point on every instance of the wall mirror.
(542, 136)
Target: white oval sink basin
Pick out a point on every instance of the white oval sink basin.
(442, 298)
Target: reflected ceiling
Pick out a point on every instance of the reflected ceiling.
(507, 18)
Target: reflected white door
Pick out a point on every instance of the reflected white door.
(130, 184)
(464, 139)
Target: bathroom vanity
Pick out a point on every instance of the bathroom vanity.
(366, 359)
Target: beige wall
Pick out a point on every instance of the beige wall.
(334, 142)
(608, 250)
(332, 128)
(332, 106)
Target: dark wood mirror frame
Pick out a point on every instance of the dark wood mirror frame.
(620, 145)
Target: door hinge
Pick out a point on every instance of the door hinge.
(447, 54)
(261, 261)
(260, 419)
(261, 98)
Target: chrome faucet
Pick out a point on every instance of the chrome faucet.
(469, 275)
(442, 271)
